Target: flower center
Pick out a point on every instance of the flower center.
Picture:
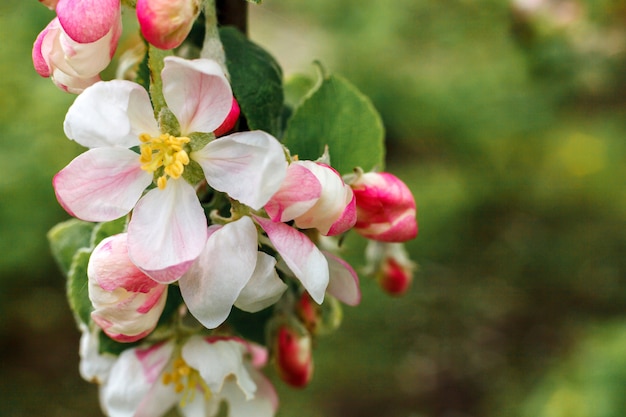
(186, 380)
(163, 151)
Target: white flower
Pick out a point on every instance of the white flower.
(197, 376)
(168, 229)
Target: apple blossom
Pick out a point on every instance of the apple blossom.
(314, 196)
(127, 303)
(108, 180)
(79, 43)
(166, 23)
(385, 207)
(196, 376)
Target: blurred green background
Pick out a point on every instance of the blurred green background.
(509, 125)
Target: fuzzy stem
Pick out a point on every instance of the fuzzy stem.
(212, 46)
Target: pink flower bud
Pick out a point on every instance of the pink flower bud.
(308, 311)
(389, 263)
(395, 278)
(229, 123)
(385, 208)
(294, 359)
(166, 23)
(74, 65)
(314, 196)
(127, 303)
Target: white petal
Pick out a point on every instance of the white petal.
(239, 406)
(93, 366)
(218, 359)
(344, 282)
(304, 259)
(248, 166)
(136, 374)
(167, 231)
(264, 288)
(226, 264)
(110, 113)
(197, 92)
(101, 184)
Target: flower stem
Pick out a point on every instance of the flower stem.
(155, 63)
(212, 47)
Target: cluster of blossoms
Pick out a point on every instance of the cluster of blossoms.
(226, 219)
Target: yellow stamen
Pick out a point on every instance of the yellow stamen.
(164, 151)
(186, 380)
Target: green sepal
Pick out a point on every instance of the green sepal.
(199, 140)
(77, 287)
(256, 80)
(168, 123)
(193, 172)
(339, 116)
(108, 345)
(104, 230)
(68, 237)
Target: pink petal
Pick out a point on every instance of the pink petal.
(167, 231)
(101, 184)
(298, 193)
(304, 259)
(86, 21)
(42, 47)
(347, 218)
(197, 92)
(110, 113)
(166, 23)
(344, 281)
(248, 166)
(224, 267)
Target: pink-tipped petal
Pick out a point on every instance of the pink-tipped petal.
(264, 288)
(331, 214)
(101, 184)
(248, 166)
(344, 281)
(304, 259)
(197, 92)
(297, 194)
(43, 46)
(230, 121)
(86, 21)
(110, 113)
(167, 232)
(224, 267)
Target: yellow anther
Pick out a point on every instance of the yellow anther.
(165, 151)
(185, 380)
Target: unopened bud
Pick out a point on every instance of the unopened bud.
(127, 303)
(166, 23)
(391, 266)
(293, 355)
(385, 207)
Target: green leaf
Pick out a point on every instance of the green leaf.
(66, 238)
(297, 87)
(256, 80)
(77, 286)
(104, 230)
(337, 114)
